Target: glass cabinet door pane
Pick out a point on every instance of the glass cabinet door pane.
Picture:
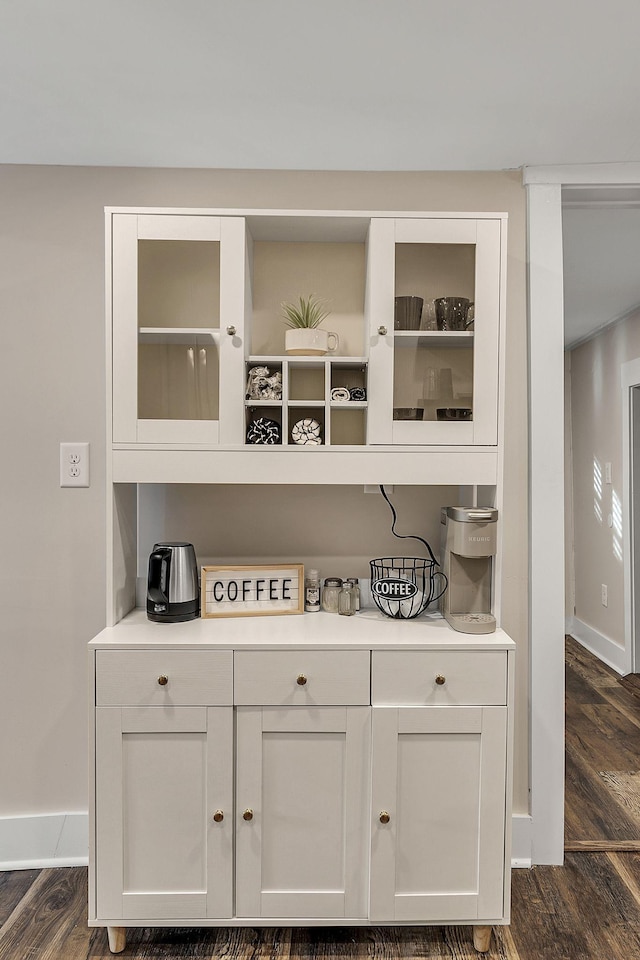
(433, 331)
(178, 380)
(179, 320)
(178, 283)
(433, 379)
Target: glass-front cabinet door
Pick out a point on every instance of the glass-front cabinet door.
(178, 307)
(434, 322)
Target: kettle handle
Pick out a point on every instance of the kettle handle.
(159, 569)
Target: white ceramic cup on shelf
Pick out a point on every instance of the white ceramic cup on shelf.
(310, 341)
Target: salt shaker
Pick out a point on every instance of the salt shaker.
(330, 592)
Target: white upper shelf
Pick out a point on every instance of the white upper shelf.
(436, 338)
(178, 335)
(317, 361)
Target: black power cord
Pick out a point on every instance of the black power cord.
(405, 536)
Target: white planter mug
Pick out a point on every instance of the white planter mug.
(310, 341)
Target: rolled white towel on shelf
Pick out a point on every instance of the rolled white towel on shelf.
(340, 393)
(306, 431)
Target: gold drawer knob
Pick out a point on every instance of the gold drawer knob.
(231, 330)
(218, 816)
(163, 680)
(440, 680)
(248, 814)
(384, 817)
(301, 680)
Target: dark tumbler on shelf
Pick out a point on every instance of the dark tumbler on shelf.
(407, 313)
(453, 313)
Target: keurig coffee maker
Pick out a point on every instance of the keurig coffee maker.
(468, 542)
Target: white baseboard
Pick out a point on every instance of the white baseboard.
(596, 643)
(62, 840)
(521, 840)
(47, 840)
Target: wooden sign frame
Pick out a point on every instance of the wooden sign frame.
(256, 590)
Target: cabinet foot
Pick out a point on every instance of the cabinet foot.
(481, 938)
(117, 939)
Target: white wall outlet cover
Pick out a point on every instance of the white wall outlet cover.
(74, 464)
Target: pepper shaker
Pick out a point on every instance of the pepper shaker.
(346, 605)
(312, 592)
(355, 592)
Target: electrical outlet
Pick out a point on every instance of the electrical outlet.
(605, 598)
(607, 473)
(74, 464)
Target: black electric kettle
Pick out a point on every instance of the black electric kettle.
(173, 591)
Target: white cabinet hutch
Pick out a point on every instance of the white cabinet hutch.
(377, 788)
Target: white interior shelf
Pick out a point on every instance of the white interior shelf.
(177, 335)
(317, 361)
(434, 338)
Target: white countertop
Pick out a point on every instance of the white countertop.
(368, 629)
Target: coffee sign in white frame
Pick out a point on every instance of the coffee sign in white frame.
(252, 591)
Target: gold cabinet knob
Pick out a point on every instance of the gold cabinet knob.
(231, 330)
(301, 679)
(440, 680)
(218, 816)
(382, 331)
(384, 817)
(163, 680)
(248, 814)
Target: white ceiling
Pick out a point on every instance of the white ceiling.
(333, 84)
(601, 251)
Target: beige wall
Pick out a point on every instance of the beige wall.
(52, 382)
(596, 439)
(569, 593)
(336, 529)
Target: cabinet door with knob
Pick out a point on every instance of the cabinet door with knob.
(435, 301)
(177, 285)
(164, 775)
(438, 812)
(301, 801)
(164, 815)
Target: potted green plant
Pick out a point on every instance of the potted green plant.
(304, 338)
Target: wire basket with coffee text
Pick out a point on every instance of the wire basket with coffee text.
(403, 587)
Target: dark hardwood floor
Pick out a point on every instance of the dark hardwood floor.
(602, 785)
(589, 908)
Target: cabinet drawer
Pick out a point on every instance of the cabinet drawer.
(304, 677)
(132, 677)
(439, 677)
